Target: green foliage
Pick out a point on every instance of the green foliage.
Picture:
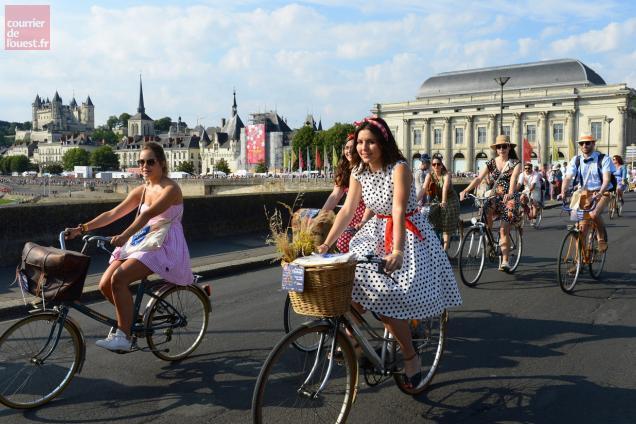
(5, 164)
(105, 158)
(261, 168)
(336, 136)
(75, 157)
(53, 168)
(123, 119)
(222, 165)
(18, 163)
(163, 124)
(112, 122)
(106, 134)
(186, 167)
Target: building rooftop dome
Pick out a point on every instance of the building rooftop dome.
(562, 72)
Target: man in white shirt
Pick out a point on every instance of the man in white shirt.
(591, 171)
(531, 183)
(422, 172)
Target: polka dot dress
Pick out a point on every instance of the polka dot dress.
(425, 284)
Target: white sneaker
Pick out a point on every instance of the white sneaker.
(115, 342)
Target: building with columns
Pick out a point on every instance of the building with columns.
(549, 103)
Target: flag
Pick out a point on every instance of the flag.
(301, 163)
(308, 160)
(555, 153)
(293, 159)
(285, 160)
(571, 150)
(334, 157)
(527, 151)
(318, 158)
(324, 154)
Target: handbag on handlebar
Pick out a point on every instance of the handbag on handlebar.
(51, 273)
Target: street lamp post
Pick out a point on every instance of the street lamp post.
(609, 128)
(501, 81)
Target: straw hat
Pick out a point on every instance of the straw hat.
(586, 137)
(502, 139)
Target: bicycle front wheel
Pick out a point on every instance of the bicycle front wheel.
(176, 322)
(429, 338)
(472, 257)
(539, 217)
(292, 320)
(569, 263)
(455, 240)
(288, 386)
(35, 364)
(596, 257)
(516, 247)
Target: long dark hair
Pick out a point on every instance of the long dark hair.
(390, 151)
(439, 158)
(343, 169)
(619, 159)
(159, 154)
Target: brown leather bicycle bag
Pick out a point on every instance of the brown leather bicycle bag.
(52, 273)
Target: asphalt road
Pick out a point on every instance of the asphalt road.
(520, 350)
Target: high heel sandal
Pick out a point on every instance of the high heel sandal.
(413, 381)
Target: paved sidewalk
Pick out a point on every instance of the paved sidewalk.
(213, 258)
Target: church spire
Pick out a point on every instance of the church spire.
(141, 108)
(234, 108)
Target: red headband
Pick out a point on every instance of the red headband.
(372, 120)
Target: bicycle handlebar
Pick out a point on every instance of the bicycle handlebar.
(566, 207)
(87, 239)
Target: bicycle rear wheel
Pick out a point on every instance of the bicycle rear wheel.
(516, 247)
(597, 258)
(612, 207)
(569, 263)
(455, 240)
(292, 320)
(287, 389)
(176, 322)
(429, 338)
(33, 369)
(472, 257)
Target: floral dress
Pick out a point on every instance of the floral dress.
(343, 241)
(425, 285)
(509, 211)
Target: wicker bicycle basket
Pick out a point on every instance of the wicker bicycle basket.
(327, 291)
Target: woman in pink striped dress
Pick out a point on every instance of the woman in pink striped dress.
(159, 198)
(341, 187)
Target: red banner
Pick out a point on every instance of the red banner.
(527, 151)
(255, 143)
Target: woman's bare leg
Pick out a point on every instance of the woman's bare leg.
(402, 333)
(105, 283)
(130, 271)
(504, 240)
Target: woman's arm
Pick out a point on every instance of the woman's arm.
(424, 191)
(368, 214)
(333, 199)
(402, 180)
(514, 177)
(170, 194)
(474, 183)
(343, 218)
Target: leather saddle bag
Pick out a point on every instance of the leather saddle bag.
(51, 273)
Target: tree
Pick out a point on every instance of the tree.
(53, 168)
(186, 167)
(221, 165)
(261, 168)
(19, 163)
(163, 124)
(123, 119)
(75, 157)
(5, 164)
(336, 136)
(105, 158)
(106, 134)
(112, 122)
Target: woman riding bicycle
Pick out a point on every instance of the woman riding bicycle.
(621, 177)
(531, 193)
(341, 187)
(425, 281)
(158, 202)
(444, 211)
(503, 169)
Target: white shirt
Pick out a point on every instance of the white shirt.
(589, 170)
(527, 181)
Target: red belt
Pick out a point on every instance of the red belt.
(388, 232)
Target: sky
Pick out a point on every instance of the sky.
(331, 59)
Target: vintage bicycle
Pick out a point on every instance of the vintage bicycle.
(615, 207)
(579, 248)
(481, 243)
(319, 384)
(41, 353)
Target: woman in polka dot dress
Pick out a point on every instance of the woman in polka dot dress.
(341, 187)
(425, 281)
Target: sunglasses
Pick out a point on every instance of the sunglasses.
(436, 164)
(502, 147)
(528, 168)
(149, 162)
(585, 143)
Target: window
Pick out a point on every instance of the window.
(529, 105)
(557, 132)
(459, 136)
(531, 133)
(437, 136)
(417, 137)
(457, 110)
(597, 130)
(506, 130)
(481, 135)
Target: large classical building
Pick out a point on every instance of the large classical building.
(549, 103)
